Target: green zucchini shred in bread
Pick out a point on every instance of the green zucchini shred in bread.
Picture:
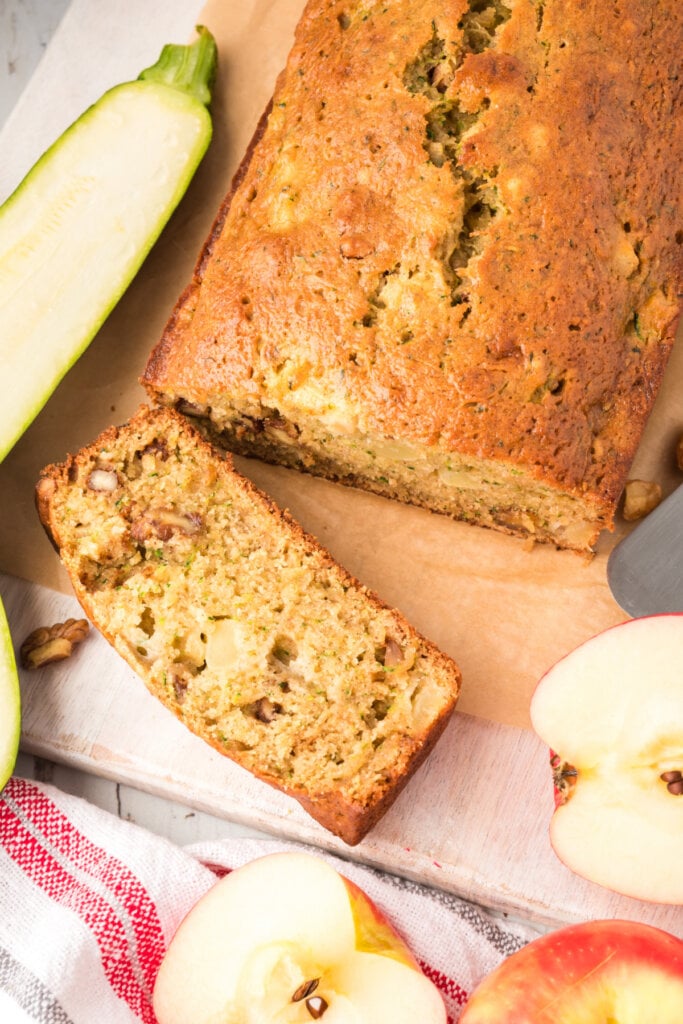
(243, 625)
(449, 269)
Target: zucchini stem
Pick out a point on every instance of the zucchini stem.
(190, 68)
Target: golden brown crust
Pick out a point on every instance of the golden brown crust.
(488, 254)
(45, 489)
(341, 817)
(349, 819)
(346, 810)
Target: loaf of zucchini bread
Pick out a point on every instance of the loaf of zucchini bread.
(449, 267)
(242, 625)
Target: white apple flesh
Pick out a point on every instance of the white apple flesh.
(10, 703)
(287, 939)
(612, 711)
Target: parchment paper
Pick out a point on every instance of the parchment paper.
(505, 613)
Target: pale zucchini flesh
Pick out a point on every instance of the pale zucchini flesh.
(76, 231)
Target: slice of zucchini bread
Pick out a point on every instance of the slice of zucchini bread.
(449, 268)
(242, 624)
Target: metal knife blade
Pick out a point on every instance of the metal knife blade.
(645, 570)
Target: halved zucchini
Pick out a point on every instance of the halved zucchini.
(76, 230)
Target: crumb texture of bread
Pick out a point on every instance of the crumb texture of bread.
(242, 624)
(450, 268)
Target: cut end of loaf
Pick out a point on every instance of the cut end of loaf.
(501, 495)
(242, 625)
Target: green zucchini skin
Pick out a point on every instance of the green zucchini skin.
(10, 703)
(75, 232)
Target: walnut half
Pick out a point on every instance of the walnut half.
(52, 643)
(640, 498)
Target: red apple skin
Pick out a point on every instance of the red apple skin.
(580, 962)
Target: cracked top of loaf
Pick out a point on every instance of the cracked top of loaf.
(459, 226)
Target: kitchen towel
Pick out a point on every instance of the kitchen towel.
(89, 903)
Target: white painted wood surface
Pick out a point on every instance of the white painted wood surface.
(473, 821)
(163, 816)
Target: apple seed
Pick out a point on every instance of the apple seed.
(305, 990)
(316, 1006)
(674, 781)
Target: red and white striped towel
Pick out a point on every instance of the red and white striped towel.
(88, 904)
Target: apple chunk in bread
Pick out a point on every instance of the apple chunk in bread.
(590, 973)
(612, 712)
(287, 939)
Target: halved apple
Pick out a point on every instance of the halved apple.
(10, 702)
(592, 973)
(612, 711)
(287, 939)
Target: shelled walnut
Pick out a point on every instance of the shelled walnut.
(641, 497)
(52, 643)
